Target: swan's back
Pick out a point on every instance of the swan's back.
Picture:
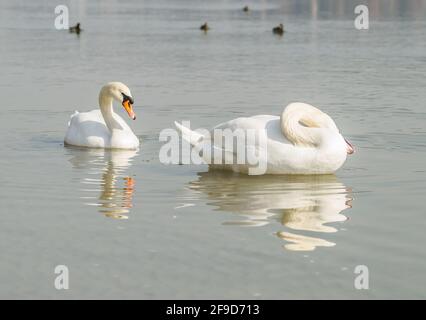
(268, 123)
(87, 129)
(283, 157)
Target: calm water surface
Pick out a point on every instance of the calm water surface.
(129, 227)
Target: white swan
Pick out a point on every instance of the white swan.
(304, 140)
(103, 128)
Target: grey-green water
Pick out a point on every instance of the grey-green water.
(128, 226)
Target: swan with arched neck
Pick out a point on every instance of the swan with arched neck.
(103, 128)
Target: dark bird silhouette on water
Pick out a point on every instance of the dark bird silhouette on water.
(205, 27)
(246, 9)
(279, 30)
(76, 29)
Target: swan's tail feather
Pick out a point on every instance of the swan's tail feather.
(189, 135)
(72, 116)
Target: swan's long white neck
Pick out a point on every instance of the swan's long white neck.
(105, 105)
(301, 124)
(294, 131)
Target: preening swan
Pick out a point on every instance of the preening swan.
(103, 128)
(304, 140)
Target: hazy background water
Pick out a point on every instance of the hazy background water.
(129, 227)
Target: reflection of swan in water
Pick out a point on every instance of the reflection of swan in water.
(105, 179)
(300, 203)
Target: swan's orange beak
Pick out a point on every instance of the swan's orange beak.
(128, 107)
(349, 147)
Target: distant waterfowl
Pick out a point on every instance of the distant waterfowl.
(103, 128)
(205, 27)
(246, 9)
(303, 140)
(279, 29)
(75, 29)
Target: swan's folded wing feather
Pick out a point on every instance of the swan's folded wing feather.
(245, 123)
(257, 126)
(72, 116)
(87, 129)
(261, 124)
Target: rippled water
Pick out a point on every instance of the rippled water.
(128, 226)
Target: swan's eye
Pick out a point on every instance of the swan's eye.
(127, 98)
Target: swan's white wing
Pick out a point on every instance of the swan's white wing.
(87, 129)
(266, 124)
(249, 145)
(281, 155)
(255, 122)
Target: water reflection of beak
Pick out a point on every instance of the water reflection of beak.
(128, 192)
